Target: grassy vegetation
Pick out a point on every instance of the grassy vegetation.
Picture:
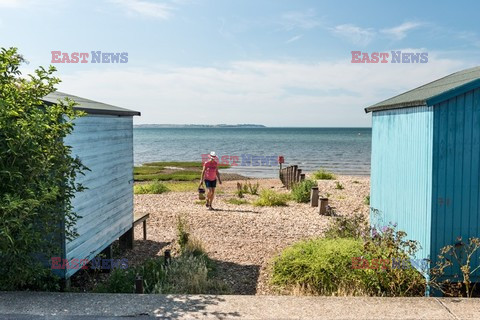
(151, 188)
(324, 266)
(237, 201)
(323, 174)
(339, 186)
(191, 272)
(301, 191)
(182, 186)
(247, 188)
(188, 171)
(270, 198)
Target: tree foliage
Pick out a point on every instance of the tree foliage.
(37, 174)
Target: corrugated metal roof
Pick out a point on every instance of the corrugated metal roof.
(420, 95)
(90, 106)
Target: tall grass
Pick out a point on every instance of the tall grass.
(301, 191)
(151, 188)
(323, 174)
(270, 198)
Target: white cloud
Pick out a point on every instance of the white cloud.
(293, 39)
(399, 32)
(158, 10)
(300, 20)
(354, 34)
(329, 93)
(12, 3)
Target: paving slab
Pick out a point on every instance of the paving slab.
(45, 305)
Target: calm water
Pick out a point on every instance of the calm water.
(341, 150)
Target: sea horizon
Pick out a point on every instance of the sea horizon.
(342, 150)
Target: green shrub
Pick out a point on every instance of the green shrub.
(237, 201)
(151, 188)
(320, 266)
(323, 174)
(37, 175)
(325, 266)
(301, 191)
(338, 185)
(270, 198)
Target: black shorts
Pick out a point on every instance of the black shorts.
(211, 183)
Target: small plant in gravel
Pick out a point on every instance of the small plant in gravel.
(323, 174)
(270, 198)
(366, 200)
(301, 191)
(355, 181)
(236, 201)
(183, 233)
(339, 186)
(247, 188)
(151, 188)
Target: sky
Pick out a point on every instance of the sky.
(271, 62)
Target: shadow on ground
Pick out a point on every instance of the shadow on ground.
(242, 279)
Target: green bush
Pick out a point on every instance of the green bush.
(150, 188)
(325, 266)
(323, 174)
(320, 266)
(37, 175)
(270, 198)
(301, 191)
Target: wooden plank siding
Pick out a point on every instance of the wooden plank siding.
(456, 172)
(105, 145)
(401, 172)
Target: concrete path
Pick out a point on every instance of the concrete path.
(36, 305)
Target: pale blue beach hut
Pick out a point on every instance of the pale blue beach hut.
(425, 168)
(103, 140)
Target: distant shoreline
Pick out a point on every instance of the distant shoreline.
(199, 126)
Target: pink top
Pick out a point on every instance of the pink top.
(210, 170)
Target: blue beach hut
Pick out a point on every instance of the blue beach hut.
(103, 140)
(425, 168)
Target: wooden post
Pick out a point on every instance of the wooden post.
(299, 173)
(323, 206)
(288, 177)
(145, 229)
(126, 240)
(302, 176)
(295, 169)
(314, 197)
(138, 284)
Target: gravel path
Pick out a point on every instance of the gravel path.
(242, 238)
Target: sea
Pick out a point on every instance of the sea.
(339, 150)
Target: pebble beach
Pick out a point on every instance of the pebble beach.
(242, 239)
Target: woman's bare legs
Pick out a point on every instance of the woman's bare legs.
(210, 196)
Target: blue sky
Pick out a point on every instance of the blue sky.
(275, 62)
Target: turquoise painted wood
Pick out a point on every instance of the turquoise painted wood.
(456, 172)
(426, 172)
(105, 145)
(401, 172)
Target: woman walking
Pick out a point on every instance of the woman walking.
(210, 175)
